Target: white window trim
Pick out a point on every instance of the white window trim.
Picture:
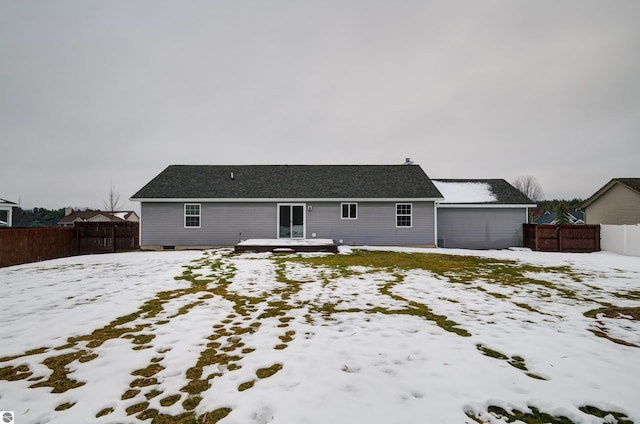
(304, 221)
(409, 215)
(184, 217)
(348, 203)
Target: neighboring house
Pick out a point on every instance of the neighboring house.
(7, 207)
(72, 217)
(617, 202)
(481, 214)
(211, 205)
(576, 217)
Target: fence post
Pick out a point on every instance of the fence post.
(559, 233)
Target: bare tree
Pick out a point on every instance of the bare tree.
(529, 186)
(112, 203)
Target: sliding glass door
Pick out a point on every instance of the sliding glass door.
(291, 221)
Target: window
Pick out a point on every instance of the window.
(191, 215)
(349, 211)
(403, 215)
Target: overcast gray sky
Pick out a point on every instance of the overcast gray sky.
(93, 93)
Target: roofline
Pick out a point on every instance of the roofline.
(603, 190)
(485, 205)
(286, 199)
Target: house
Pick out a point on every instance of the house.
(200, 206)
(7, 207)
(71, 217)
(617, 202)
(209, 205)
(480, 213)
(576, 217)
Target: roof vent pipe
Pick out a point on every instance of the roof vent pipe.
(232, 175)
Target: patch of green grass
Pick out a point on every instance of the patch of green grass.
(131, 393)
(515, 361)
(15, 373)
(143, 382)
(604, 335)
(148, 414)
(268, 371)
(169, 400)
(191, 402)
(87, 358)
(454, 268)
(287, 337)
(138, 407)
(614, 312)
(630, 295)
(527, 307)
(58, 380)
(619, 416)
(491, 353)
(194, 387)
(65, 406)
(27, 353)
(103, 412)
(246, 385)
(214, 416)
(153, 393)
(534, 417)
(632, 313)
(418, 309)
(149, 371)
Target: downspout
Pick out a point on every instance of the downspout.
(435, 222)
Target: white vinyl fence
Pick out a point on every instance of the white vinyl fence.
(623, 239)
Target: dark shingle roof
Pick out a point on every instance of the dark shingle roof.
(505, 193)
(549, 217)
(289, 182)
(120, 216)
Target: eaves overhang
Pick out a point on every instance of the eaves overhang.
(283, 199)
(484, 205)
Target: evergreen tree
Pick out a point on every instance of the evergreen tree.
(562, 214)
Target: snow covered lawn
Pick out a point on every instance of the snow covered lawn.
(365, 336)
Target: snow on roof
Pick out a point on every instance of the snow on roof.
(465, 192)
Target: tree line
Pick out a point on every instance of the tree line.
(37, 217)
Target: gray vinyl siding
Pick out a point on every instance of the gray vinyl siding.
(478, 228)
(221, 224)
(225, 224)
(375, 224)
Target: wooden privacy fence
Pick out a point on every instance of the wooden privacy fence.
(20, 245)
(104, 237)
(561, 238)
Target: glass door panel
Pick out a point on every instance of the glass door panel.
(297, 221)
(291, 221)
(284, 227)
